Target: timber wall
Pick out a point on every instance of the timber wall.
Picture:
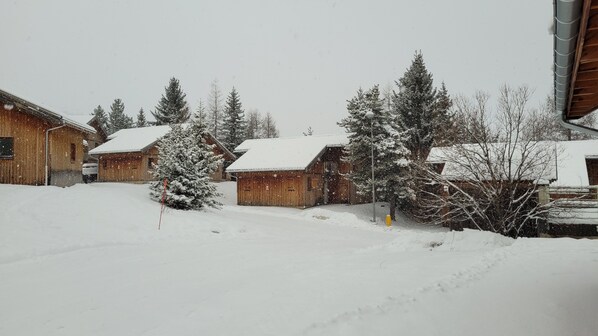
(271, 188)
(127, 167)
(27, 166)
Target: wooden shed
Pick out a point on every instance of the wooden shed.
(129, 155)
(293, 172)
(39, 146)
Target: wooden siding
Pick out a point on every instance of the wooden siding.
(274, 189)
(592, 166)
(127, 167)
(27, 166)
(60, 149)
(28, 163)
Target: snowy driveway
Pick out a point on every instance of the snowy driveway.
(88, 260)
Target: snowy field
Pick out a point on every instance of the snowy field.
(89, 260)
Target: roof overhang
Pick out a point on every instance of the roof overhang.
(43, 113)
(576, 60)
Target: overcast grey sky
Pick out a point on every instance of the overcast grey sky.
(299, 60)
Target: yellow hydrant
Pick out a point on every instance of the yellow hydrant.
(388, 221)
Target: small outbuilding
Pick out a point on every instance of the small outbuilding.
(129, 154)
(294, 172)
(39, 146)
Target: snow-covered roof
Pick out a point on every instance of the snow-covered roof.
(131, 140)
(83, 119)
(571, 162)
(278, 154)
(569, 157)
(42, 112)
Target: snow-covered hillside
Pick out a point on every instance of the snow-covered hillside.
(89, 260)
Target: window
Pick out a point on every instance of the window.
(73, 152)
(104, 164)
(309, 184)
(7, 148)
(150, 163)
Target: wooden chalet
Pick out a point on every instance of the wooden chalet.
(93, 140)
(571, 186)
(293, 172)
(129, 155)
(39, 146)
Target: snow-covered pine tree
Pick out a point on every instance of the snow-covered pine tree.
(233, 128)
(172, 107)
(187, 161)
(391, 157)
(215, 112)
(414, 106)
(141, 121)
(117, 118)
(100, 114)
(309, 132)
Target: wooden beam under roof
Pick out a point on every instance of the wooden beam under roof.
(583, 89)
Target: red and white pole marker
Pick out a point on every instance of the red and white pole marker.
(162, 206)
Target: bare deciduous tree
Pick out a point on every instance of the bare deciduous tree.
(491, 182)
(269, 129)
(215, 110)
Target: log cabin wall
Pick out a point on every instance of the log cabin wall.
(27, 166)
(66, 156)
(271, 189)
(328, 185)
(126, 167)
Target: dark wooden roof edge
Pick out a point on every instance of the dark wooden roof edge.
(41, 112)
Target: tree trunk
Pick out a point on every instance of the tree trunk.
(393, 208)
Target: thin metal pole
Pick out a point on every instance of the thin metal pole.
(373, 178)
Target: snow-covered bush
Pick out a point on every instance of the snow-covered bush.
(187, 162)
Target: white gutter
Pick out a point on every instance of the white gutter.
(48, 149)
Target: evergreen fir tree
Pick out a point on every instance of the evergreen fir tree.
(172, 107)
(186, 161)
(415, 107)
(391, 156)
(117, 117)
(100, 115)
(445, 133)
(141, 121)
(234, 121)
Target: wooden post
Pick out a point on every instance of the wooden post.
(543, 195)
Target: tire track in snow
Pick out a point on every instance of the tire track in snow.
(456, 280)
(10, 259)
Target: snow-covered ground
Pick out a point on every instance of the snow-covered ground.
(89, 260)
